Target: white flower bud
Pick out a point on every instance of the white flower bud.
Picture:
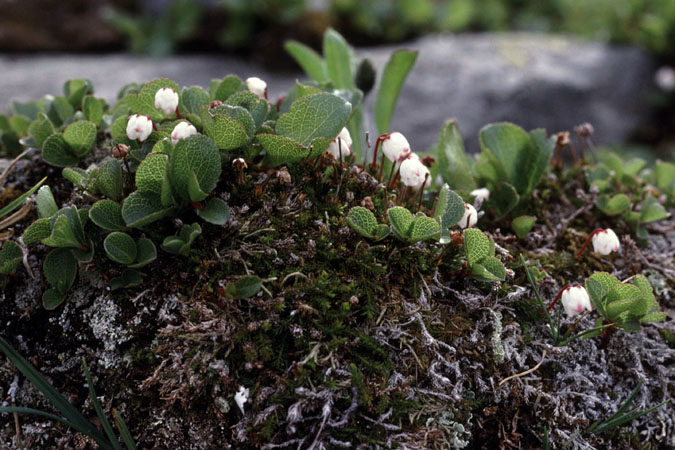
(413, 173)
(182, 131)
(575, 299)
(343, 146)
(665, 78)
(240, 397)
(605, 242)
(257, 86)
(166, 100)
(395, 147)
(139, 127)
(470, 216)
(481, 195)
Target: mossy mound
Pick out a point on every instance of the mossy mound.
(347, 342)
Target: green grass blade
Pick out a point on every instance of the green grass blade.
(536, 293)
(21, 410)
(628, 402)
(15, 204)
(70, 413)
(393, 77)
(339, 60)
(626, 418)
(309, 60)
(124, 431)
(107, 427)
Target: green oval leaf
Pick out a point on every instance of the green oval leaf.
(314, 116)
(120, 247)
(60, 269)
(195, 159)
(476, 245)
(216, 212)
(55, 151)
(80, 137)
(107, 214)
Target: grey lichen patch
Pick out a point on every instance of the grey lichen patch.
(496, 340)
(102, 319)
(458, 436)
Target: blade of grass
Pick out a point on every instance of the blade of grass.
(339, 60)
(393, 77)
(124, 431)
(107, 427)
(626, 418)
(541, 301)
(20, 410)
(70, 413)
(309, 60)
(15, 204)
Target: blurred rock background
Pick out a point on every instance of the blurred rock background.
(603, 70)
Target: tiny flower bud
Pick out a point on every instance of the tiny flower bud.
(367, 203)
(342, 144)
(470, 216)
(120, 151)
(257, 86)
(284, 176)
(575, 299)
(239, 164)
(665, 78)
(182, 131)
(215, 103)
(241, 397)
(481, 195)
(139, 127)
(605, 242)
(395, 146)
(166, 100)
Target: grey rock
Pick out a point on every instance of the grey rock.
(31, 77)
(552, 82)
(534, 80)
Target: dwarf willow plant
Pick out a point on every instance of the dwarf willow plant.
(65, 127)
(624, 193)
(409, 228)
(11, 253)
(511, 163)
(622, 305)
(160, 174)
(338, 69)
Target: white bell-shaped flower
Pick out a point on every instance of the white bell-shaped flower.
(166, 100)
(182, 131)
(342, 144)
(395, 147)
(240, 397)
(413, 173)
(605, 242)
(139, 127)
(575, 299)
(470, 216)
(257, 86)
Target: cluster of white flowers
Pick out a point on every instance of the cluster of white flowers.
(413, 172)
